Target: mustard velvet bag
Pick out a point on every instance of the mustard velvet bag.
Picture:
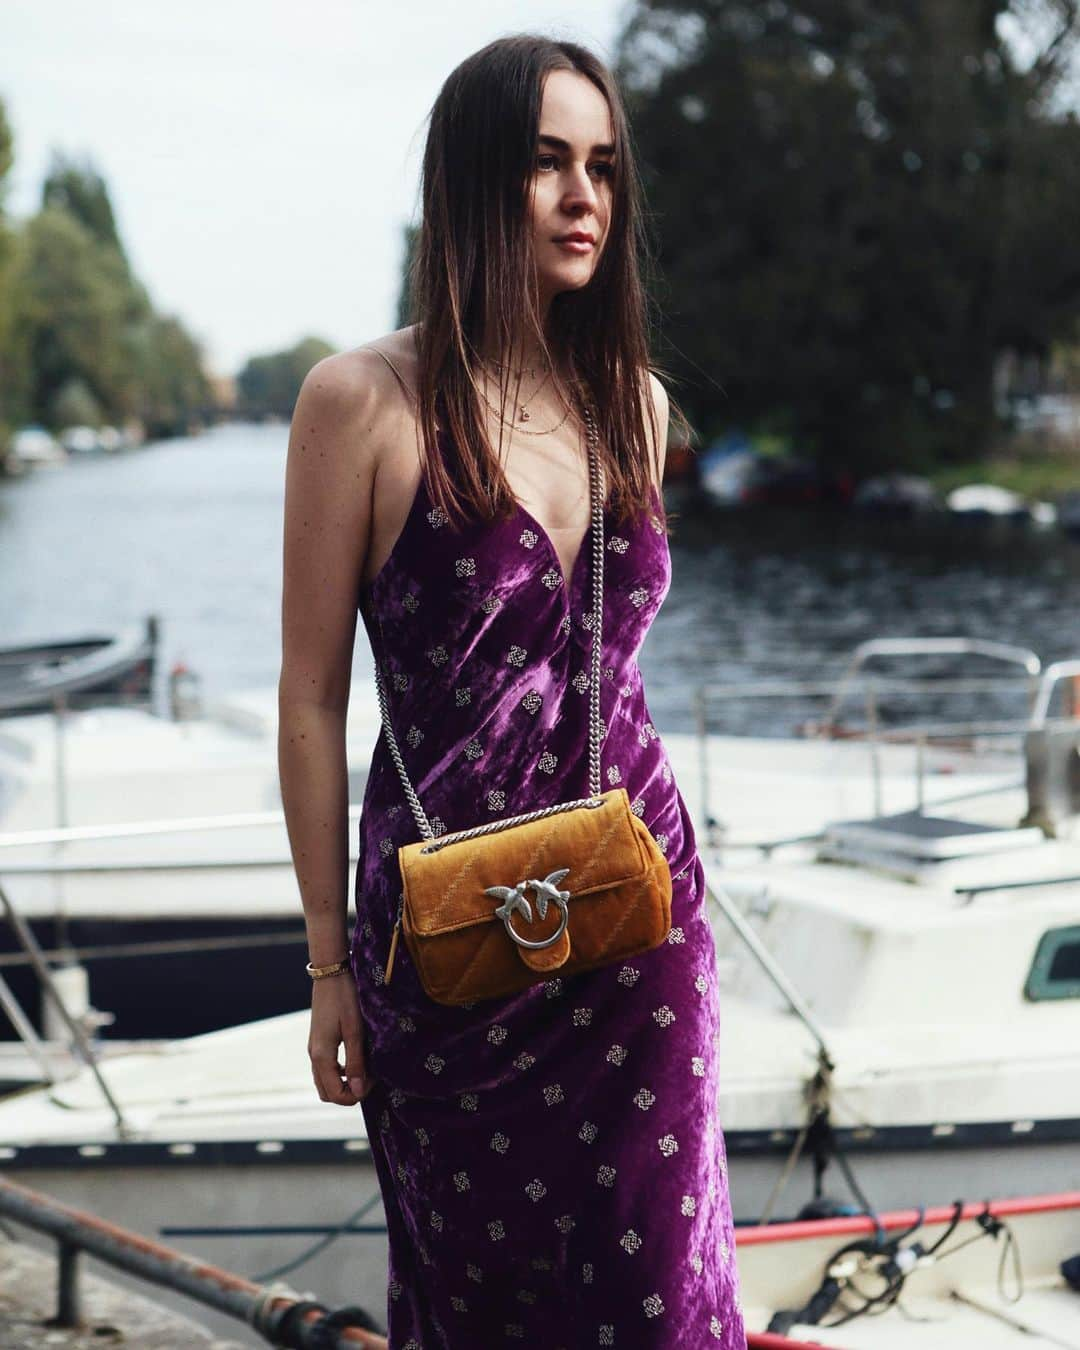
(489, 910)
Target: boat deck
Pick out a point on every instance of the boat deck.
(983, 1283)
(975, 1317)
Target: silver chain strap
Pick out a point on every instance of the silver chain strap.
(596, 726)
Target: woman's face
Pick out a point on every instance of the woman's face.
(571, 184)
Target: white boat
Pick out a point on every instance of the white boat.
(131, 841)
(33, 447)
(1001, 1275)
(81, 440)
(987, 499)
(911, 1018)
(99, 667)
(890, 1001)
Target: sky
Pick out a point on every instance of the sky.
(262, 156)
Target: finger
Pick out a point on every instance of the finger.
(328, 1080)
(357, 1071)
(360, 1079)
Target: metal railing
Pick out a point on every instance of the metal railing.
(34, 1044)
(1035, 686)
(32, 953)
(276, 1312)
(876, 648)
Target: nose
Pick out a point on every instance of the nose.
(580, 193)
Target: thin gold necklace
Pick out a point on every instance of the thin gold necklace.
(519, 371)
(514, 426)
(523, 408)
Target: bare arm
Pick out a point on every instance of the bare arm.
(328, 489)
(661, 408)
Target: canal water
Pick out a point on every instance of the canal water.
(191, 530)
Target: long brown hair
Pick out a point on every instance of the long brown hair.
(469, 280)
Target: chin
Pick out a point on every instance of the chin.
(569, 280)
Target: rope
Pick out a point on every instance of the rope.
(891, 1262)
(320, 1334)
(286, 1326)
(320, 1245)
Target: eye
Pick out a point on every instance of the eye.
(605, 168)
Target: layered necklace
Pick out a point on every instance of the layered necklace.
(524, 415)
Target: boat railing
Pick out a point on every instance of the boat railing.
(1052, 676)
(66, 834)
(59, 866)
(28, 951)
(35, 1045)
(875, 691)
(876, 648)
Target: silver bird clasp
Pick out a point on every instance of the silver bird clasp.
(514, 901)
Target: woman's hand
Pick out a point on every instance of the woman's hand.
(335, 1021)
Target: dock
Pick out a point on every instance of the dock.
(112, 1316)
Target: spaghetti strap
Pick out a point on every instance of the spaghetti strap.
(401, 378)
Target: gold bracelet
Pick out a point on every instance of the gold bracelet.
(321, 972)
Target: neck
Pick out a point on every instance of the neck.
(529, 357)
(524, 352)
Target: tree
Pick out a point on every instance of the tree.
(9, 395)
(170, 387)
(79, 189)
(82, 341)
(70, 299)
(405, 314)
(269, 384)
(861, 202)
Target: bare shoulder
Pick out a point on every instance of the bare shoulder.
(393, 358)
(367, 387)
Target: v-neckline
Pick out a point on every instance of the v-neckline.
(567, 581)
(523, 511)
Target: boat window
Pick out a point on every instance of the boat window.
(1055, 972)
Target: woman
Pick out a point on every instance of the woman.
(551, 1165)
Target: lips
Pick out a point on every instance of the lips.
(578, 237)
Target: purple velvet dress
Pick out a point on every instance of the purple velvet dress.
(551, 1164)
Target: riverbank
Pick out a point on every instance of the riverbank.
(1044, 477)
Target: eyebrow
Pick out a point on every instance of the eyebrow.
(560, 144)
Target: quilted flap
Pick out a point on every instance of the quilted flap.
(601, 846)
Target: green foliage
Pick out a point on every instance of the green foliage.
(170, 385)
(269, 384)
(80, 341)
(405, 304)
(7, 151)
(1043, 478)
(74, 405)
(79, 189)
(7, 249)
(860, 203)
(70, 300)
